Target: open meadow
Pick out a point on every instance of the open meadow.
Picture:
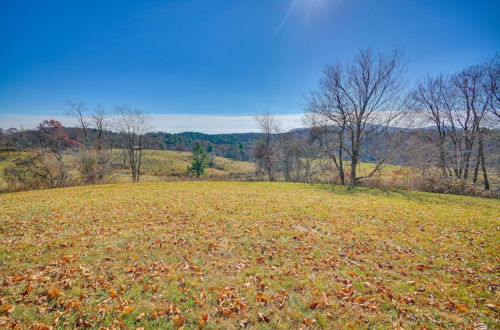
(235, 254)
(157, 165)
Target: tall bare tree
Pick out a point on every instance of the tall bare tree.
(466, 117)
(265, 148)
(430, 99)
(133, 124)
(100, 125)
(79, 111)
(358, 102)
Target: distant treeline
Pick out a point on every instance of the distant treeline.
(236, 146)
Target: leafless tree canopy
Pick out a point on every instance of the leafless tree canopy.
(461, 108)
(355, 103)
(79, 111)
(133, 124)
(265, 151)
(95, 158)
(492, 83)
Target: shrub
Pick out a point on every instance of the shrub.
(94, 166)
(444, 185)
(37, 171)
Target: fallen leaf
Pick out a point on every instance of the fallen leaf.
(54, 293)
(179, 321)
(128, 310)
(263, 318)
(202, 321)
(308, 321)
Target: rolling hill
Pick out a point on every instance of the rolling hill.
(158, 165)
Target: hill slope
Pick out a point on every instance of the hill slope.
(157, 165)
(229, 254)
(160, 164)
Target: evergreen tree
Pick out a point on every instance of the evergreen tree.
(200, 160)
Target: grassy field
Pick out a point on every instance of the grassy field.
(157, 165)
(260, 255)
(164, 163)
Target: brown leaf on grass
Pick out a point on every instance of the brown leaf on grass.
(261, 298)
(85, 324)
(202, 321)
(360, 300)
(455, 306)
(179, 321)
(308, 321)
(6, 309)
(314, 305)
(72, 304)
(263, 318)
(128, 310)
(113, 293)
(54, 293)
(407, 300)
(421, 268)
(16, 279)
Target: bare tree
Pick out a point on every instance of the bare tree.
(292, 155)
(356, 103)
(430, 99)
(471, 102)
(100, 125)
(78, 110)
(133, 124)
(94, 158)
(329, 134)
(265, 149)
(492, 83)
(458, 107)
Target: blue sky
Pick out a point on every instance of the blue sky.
(224, 57)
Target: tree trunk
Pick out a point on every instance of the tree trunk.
(354, 163)
(476, 168)
(483, 162)
(442, 157)
(341, 173)
(341, 161)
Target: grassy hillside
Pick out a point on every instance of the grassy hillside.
(166, 163)
(225, 255)
(157, 165)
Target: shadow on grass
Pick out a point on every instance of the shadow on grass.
(410, 195)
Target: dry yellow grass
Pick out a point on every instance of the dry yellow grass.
(260, 255)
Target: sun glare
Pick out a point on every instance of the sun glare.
(308, 9)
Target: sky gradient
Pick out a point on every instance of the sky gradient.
(218, 57)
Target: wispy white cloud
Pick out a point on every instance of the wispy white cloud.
(172, 123)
